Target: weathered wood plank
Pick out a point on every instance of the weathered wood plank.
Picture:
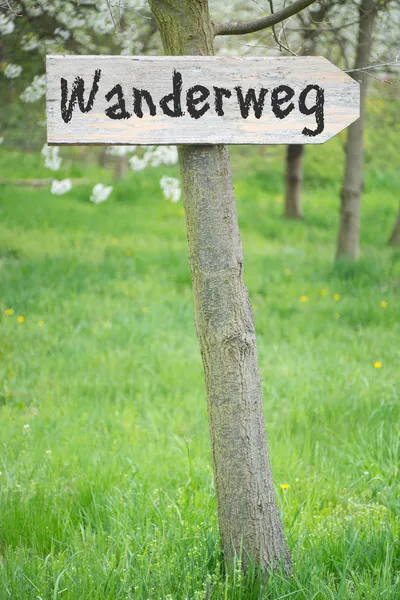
(197, 100)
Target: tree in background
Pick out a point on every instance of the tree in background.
(349, 229)
(30, 29)
(340, 31)
(310, 25)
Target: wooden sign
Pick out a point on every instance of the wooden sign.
(197, 100)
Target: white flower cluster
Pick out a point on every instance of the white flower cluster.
(12, 71)
(6, 25)
(129, 39)
(137, 164)
(62, 33)
(60, 187)
(162, 155)
(52, 160)
(171, 188)
(35, 90)
(100, 193)
(154, 157)
(35, 10)
(68, 15)
(29, 43)
(101, 21)
(120, 150)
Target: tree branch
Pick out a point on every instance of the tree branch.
(369, 67)
(259, 24)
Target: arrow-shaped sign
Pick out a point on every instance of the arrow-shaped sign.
(197, 100)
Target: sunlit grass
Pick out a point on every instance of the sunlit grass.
(106, 484)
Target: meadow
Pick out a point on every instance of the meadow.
(106, 488)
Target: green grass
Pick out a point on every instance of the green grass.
(106, 486)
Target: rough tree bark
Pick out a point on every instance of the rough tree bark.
(294, 178)
(249, 519)
(349, 229)
(395, 237)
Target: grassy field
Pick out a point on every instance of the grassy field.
(106, 488)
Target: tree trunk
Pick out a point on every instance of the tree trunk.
(349, 231)
(249, 519)
(295, 152)
(102, 158)
(120, 167)
(395, 237)
(294, 177)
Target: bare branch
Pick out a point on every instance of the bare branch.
(389, 64)
(278, 40)
(259, 24)
(11, 8)
(111, 14)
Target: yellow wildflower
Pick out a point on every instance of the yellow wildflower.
(287, 272)
(114, 240)
(377, 364)
(20, 319)
(304, 298)
(336, 297)
(9, 312)
(384, 304)
(285, 486)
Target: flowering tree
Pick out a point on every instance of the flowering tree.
(33, 29)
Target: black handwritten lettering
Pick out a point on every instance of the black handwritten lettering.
(251, 98)
(277, 101)
(220, 92)
(199, 101)
(174, 97)
(138, 96)
(117, 110)
(317, 109)
(77, 92)
(192, 101)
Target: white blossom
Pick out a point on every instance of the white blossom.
(120, 150)
(137, 164)
(52, 160)
(35, 90)
(6, 25)
(102, 22)
(12, 71)
(154, 157)
(1, 139)
(62, 33)
(35, 10)
(100, 193)
(162, 155)
(60, 187)
(171, 188)
(29, 43)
